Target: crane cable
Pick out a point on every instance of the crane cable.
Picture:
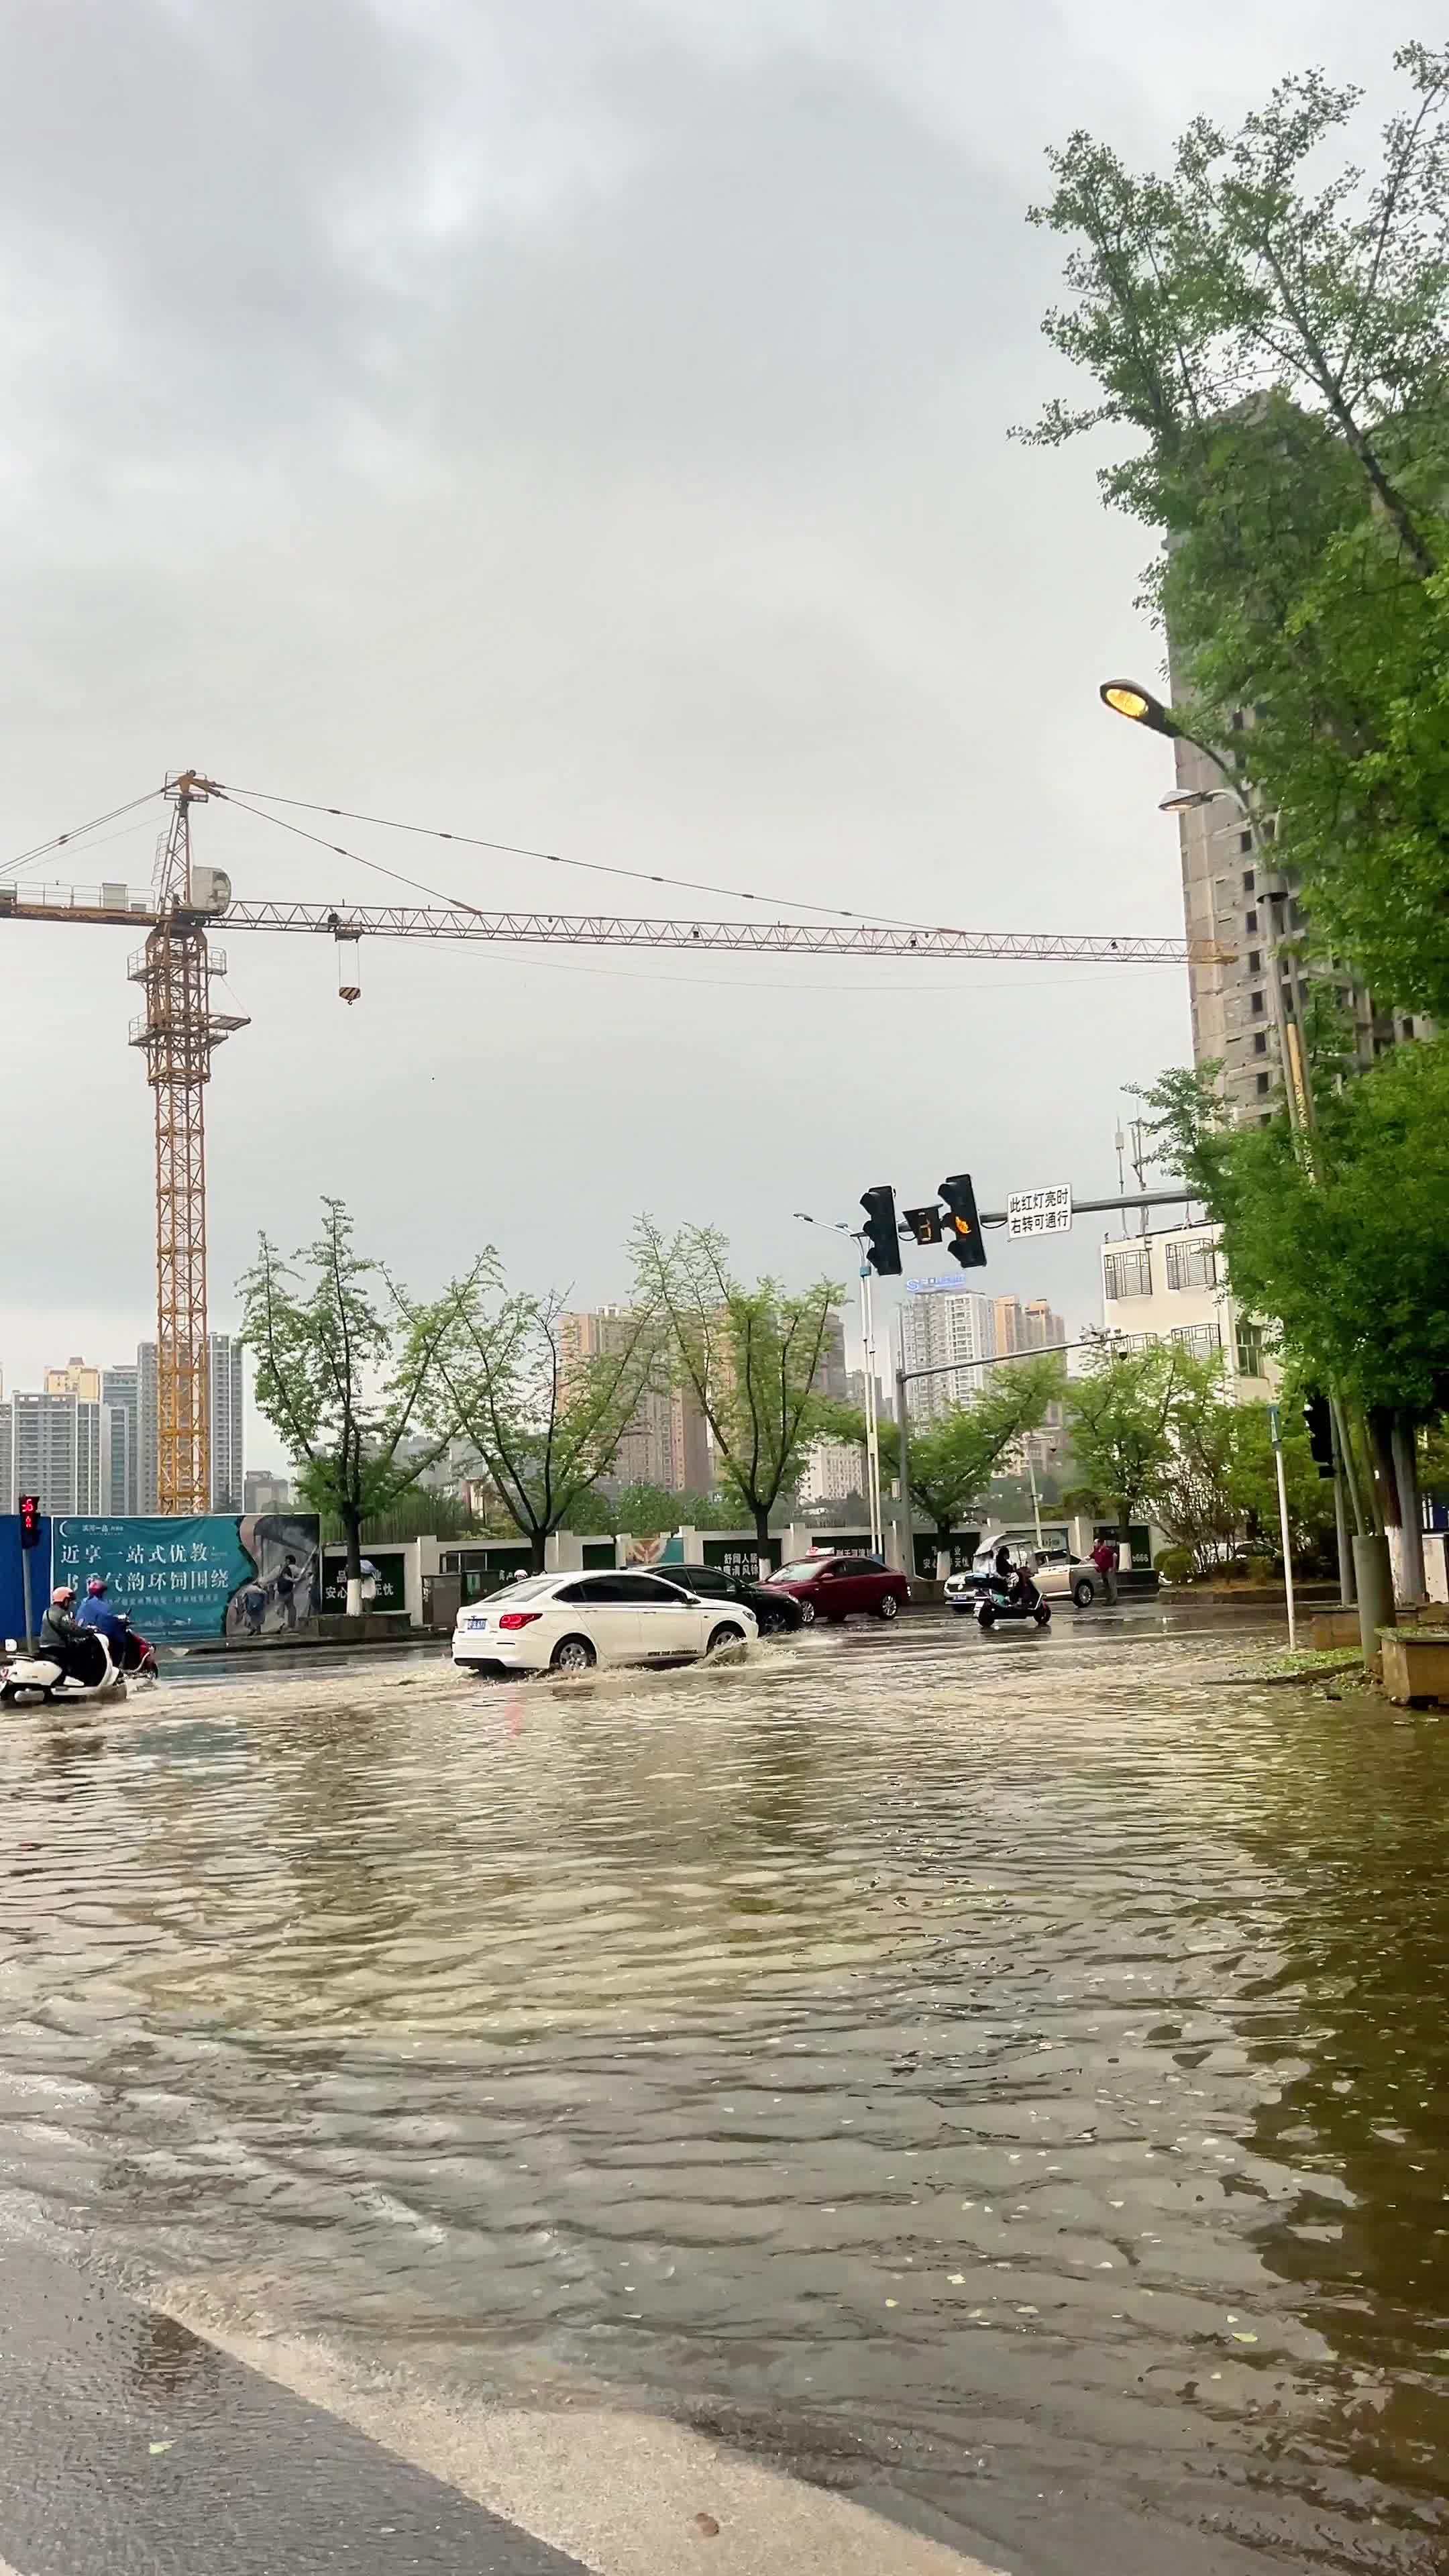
(555, 859)
(42, 849)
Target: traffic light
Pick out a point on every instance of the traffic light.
(924, 1223)
(30, 1520)
(881, 1231)
(963, 1226)
(1318, 1414)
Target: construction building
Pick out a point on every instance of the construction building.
(1240, 898)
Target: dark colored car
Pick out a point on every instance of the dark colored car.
(830, 1587)
(776, 1612)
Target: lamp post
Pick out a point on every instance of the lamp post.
(867, 1340)
(1363, 1568)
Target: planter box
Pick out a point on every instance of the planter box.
(1333, 1628)
(1416, 1664)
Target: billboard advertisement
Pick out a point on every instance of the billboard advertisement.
(216, 1575)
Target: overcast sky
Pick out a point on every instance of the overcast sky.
(582, 426)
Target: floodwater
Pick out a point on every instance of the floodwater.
(1004, 2078)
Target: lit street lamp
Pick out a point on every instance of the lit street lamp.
(1139, 706)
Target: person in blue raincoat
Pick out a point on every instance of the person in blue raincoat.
(98, 1611)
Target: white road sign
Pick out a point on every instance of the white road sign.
(1040, 1211)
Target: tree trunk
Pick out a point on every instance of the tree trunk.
(1406, 1468)
(352, 1532)
(762, 1538)
(537, 1550)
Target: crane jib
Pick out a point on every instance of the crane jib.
(601, 930)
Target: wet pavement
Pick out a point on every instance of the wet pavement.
(1002, 2080)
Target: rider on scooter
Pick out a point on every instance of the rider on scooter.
(1015, 1582)
(66, 1642)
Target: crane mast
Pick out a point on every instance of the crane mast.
(178, 1033)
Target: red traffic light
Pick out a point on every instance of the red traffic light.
(30, 1520)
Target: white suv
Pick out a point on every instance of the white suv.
(564, 1623)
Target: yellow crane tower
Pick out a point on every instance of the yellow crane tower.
(179, 1031)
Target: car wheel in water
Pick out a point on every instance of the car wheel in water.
(728, 1635)
(572, 1655)
(1084, 1591)
(888, 1607)
(807, 1614)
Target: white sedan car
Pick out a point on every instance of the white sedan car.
(1057, 1574)
(565, 1623)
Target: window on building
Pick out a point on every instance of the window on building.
(1245, 840)
(1192, 1265)
(1250, 921)
(1250, 1348)
(1262, 1082)
(1260, 1041)
(1203, 1340)
(1128, 1274)
(1247, 880)
(1267, 1118)
(1239, 719)
(1270, 828)
(1408, 1028)
(1255, 961)
(1257, 1005)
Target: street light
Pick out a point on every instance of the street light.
(836, 1225)
(1128, 698)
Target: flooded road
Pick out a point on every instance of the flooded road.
(1006, 2079)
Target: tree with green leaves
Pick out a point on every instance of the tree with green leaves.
(1270, 349)
(749, 1354)
(1121, 1414)
(1349, 1252)
(543, 1421)
(343, 1377)
(954, 1458)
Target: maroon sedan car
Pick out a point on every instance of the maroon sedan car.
(830, 1587)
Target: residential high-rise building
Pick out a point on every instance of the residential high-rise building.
(855, 1387)
(121, 1387)
(667, 1441)
(1033, 1327)
(943, 1321)
(830, 1375)
(226, 1398)
(118, 1462)
(77, 1378)
(52, 1447)
(1171, 1287)
(834, 1471)
(226, 1383)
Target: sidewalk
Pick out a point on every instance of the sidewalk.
(133, 2444)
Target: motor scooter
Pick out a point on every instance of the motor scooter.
(999, 1602)
(29, 1677)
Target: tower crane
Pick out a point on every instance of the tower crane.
(179, 1031)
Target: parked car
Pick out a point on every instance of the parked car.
(776, 1611)
(830, 1587)
(565, 1623)
(1057, 1574)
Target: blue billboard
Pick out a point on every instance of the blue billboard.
(215, 1575)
